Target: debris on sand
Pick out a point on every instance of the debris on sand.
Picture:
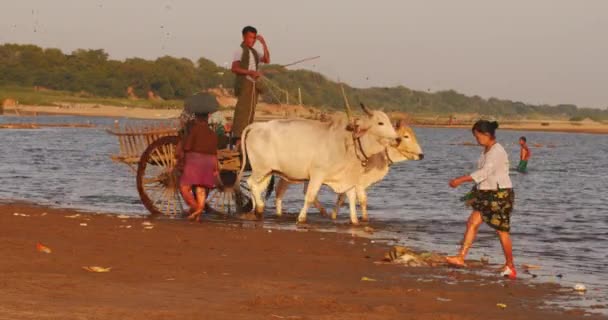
(74, 216)
(17, 214)
(96, 269)
(42, 248)
(368, 279)
(406, 256)
(501, 305)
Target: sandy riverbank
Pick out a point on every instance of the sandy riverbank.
(267, 112)
(553, 126)
(230, 270)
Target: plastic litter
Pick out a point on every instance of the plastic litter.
(368, 279)
(501, 305)
(84, 224)
(73, 216)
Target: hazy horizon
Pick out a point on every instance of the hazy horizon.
(540, 52)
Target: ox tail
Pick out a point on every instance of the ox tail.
(270, 187)
(243, 154)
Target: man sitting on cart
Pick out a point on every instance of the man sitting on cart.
(247, 86)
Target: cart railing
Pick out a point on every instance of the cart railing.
(133, 140)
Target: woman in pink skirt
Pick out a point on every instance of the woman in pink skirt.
(199, 153)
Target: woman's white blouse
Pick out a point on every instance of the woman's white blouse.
(493, 169)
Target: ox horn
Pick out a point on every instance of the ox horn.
(366, 109)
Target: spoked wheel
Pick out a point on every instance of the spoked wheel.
(158, 179)
(227, 198)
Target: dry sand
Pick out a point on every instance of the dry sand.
(228, 270)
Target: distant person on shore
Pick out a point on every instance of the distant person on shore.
(245, 64)
(491, 199)
(197, 150)
(524, 155)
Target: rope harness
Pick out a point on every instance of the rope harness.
(361, 157)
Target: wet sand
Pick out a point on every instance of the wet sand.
(230, 270)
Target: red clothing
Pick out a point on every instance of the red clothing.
(200, 139)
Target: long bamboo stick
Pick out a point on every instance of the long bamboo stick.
(346, 104)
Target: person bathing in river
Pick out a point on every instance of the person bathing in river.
(492, 198)
(524, 156)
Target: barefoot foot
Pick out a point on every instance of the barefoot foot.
(456, 261)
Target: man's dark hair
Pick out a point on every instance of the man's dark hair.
(523, 138)
(250, 29)
(485, 126)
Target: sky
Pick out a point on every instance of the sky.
(534, 51)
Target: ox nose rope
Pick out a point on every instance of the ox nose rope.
(363, 157)
(388, 157)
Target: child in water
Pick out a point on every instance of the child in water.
(524, 156)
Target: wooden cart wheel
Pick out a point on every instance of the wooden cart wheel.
(226, 198)
(158, 179)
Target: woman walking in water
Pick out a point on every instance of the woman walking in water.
(492, 197)
(197, 150)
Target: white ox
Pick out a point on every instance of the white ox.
(322, 153)
(377, 167)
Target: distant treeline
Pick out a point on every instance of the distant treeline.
(93, 72)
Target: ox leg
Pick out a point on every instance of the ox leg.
(352, 203)
(362, 198)
(279, 192)
(257, 185)
(339, 203)
(319, 206)
(309, 198)
(317, 203)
